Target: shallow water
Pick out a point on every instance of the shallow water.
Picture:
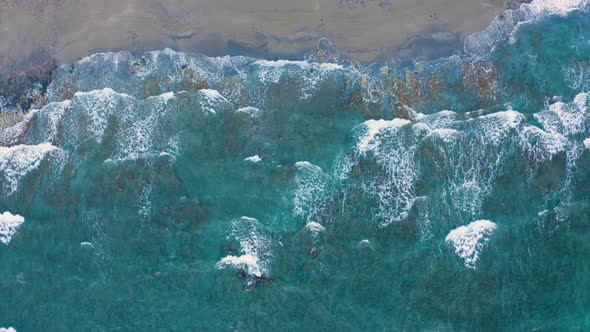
(170, 191)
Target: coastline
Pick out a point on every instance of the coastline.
(366, 29)
(59, 31)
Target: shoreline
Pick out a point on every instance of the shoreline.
(23, 84)
(365, 29)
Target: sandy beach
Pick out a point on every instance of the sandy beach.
(31, 31)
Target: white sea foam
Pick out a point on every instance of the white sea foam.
(255, 248)
(467, 195)
(144, 203)
(540, 146)
(210, 99)
(280, 63)
(497, 127)
(250, 111)
(12, 134)
(331, 66)
(18, 161)
(315, 227)
(49, 118)
(135, 137)
(97, 105)
(9, 225)
(510, 118)
(470, 168)
(164, 97)
(576, 76)
(548, 7)
(165, 154)
(87, 245)
(469, 173)
(507, 24)
(306, 164)
(445, 134)
(135, 123)
(114, 57)
(421, 129)
(475, 164)
(253, 159)
(368, 141)
(302, 64)
(54, 114)
(138, 133)
(212, 94)
(7, 329)
(365, 243)
(446, 113)
(317, 234)
(440, 120)
(393, 150)
(469, 240)
(248, 263)
(587, 143)
(566, 119)
(272, 71)
(250, 219)
(310, 192)
(100, 93)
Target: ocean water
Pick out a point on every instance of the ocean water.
(168, 191)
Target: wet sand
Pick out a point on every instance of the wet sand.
(31, 31)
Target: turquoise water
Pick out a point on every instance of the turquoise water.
(170, 191)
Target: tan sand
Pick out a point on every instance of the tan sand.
(69, 29)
